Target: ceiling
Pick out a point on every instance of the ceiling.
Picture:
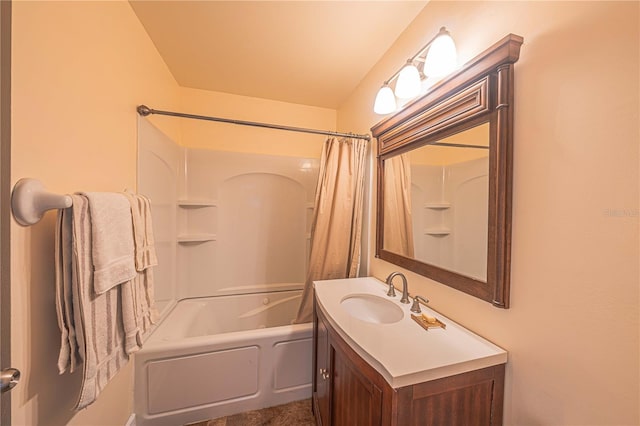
(305, 52)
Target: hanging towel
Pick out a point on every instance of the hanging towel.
(100, 330)
(113, 258)
(144, 248)
(138, 310)
(64, 302)
(130, 320)
(96, 320)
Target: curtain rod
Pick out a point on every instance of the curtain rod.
(144, 111)
(457, 145)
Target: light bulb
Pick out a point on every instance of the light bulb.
(442, 57)
(385, 101)
(408, 84)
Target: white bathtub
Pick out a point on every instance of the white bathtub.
(223, 355)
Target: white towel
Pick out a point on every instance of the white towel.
(64, 302)
(138, 309)
(91, 324)
(112, 235)
(100, 329)
(97, 316)
(144, 248)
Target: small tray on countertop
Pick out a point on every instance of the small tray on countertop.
(427, 325)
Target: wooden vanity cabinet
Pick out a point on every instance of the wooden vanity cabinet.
(347, 391)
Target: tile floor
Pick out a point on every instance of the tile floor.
(297, 413)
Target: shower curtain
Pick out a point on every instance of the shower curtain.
(337, 217)
(398, 221)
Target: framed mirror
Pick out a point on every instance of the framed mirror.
(444, 178)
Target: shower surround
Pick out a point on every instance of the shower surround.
(232, 235)
(450, 215)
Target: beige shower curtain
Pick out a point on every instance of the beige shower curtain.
(398, 221)
(337, 217)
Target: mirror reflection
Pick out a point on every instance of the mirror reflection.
(436, 203)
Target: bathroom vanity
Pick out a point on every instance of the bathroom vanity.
(375, 365)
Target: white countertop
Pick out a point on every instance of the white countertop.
(403, 352)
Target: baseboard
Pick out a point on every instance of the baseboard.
(132, 420)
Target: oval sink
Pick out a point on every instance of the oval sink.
(370, 308)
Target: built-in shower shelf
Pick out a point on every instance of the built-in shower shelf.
(197, 203)
(437, 231)
(442, 205)
(196, 238)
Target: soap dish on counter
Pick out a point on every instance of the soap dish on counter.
(427, 325)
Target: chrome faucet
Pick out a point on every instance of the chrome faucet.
(416, 304)
(405, 287)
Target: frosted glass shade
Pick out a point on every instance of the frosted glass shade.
(408, 84)
(385, 101)
(442, 57)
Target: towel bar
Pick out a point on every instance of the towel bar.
(30, 200)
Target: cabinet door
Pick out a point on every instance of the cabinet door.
(356, 400)
(322, 374)
(469, 399)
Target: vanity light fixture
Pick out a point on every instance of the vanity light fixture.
(385, 100)
(442, 57)
(437, 59)
(409, 81)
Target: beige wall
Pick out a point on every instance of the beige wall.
(230, 137)
(79, 70)
(572, 331)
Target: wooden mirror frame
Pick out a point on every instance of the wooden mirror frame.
(480, 92)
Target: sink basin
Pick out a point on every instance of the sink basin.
(370, 308)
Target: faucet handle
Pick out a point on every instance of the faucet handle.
(392, 290)
(415, 307)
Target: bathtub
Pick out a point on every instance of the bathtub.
(223, 355)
